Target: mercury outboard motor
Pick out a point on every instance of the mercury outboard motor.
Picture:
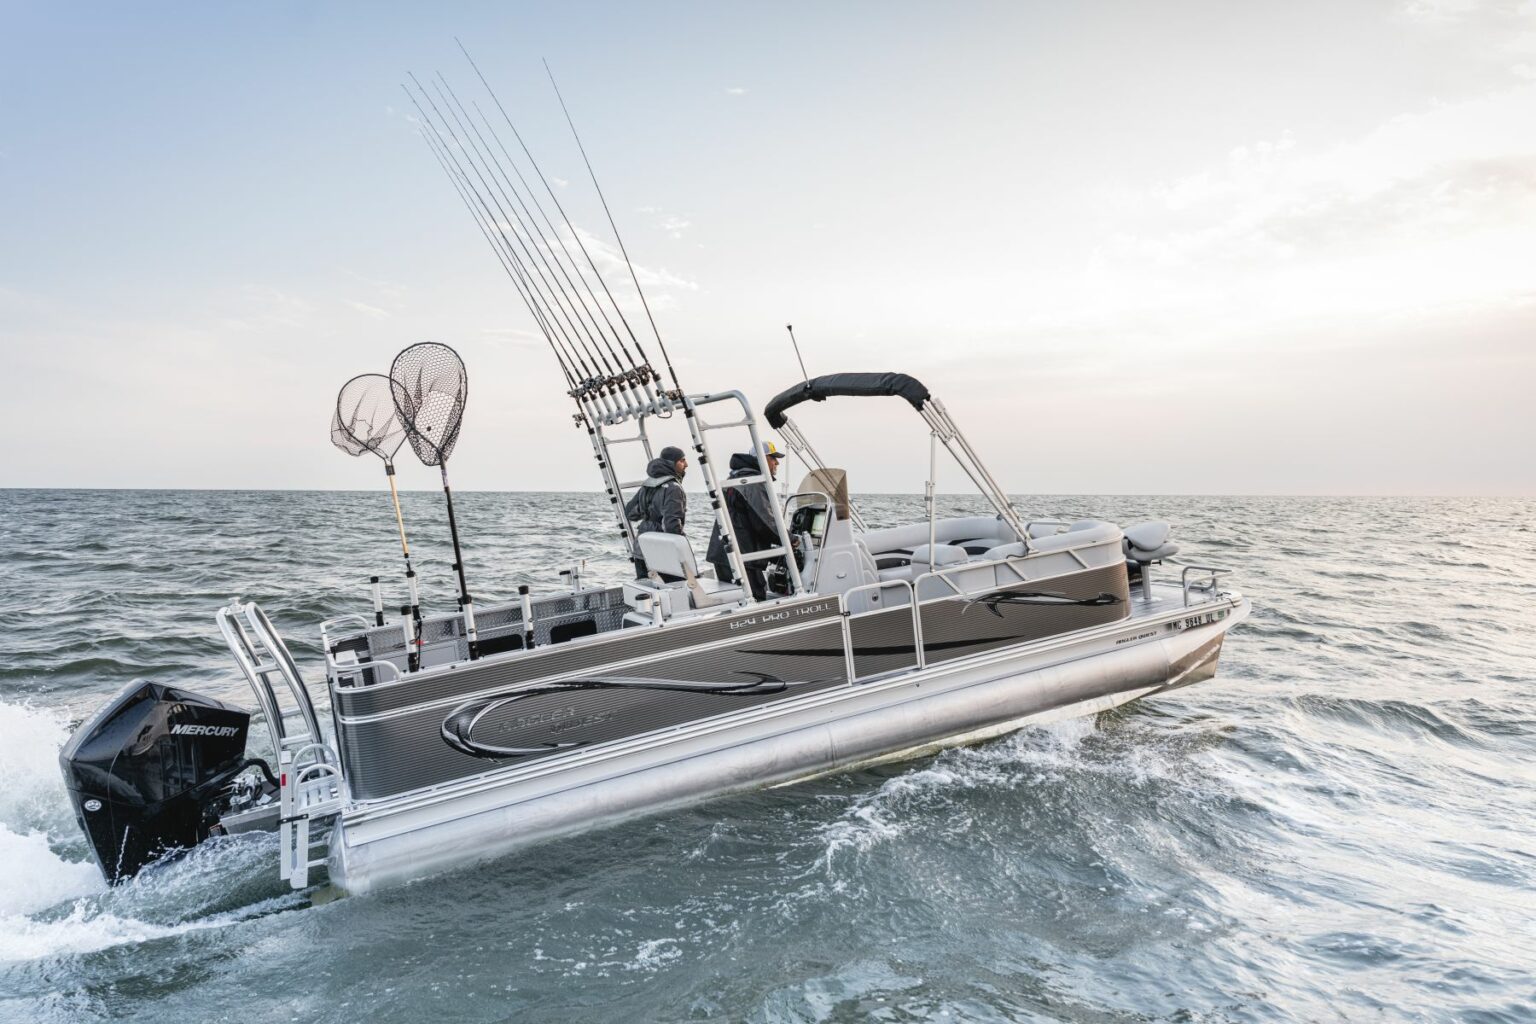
(151, 772)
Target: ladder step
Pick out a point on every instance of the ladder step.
(741, 481)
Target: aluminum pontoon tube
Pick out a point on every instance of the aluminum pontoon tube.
(908, 723)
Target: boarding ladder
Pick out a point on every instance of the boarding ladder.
(309, 772)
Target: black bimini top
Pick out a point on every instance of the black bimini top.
(859, 385)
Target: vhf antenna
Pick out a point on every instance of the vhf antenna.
(791, 329)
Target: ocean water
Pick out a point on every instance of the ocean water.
(1341, 826)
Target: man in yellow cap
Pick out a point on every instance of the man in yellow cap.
(752, 518)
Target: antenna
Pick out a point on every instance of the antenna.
(791, 329)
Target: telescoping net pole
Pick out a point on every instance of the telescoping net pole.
(366, 420)
(429, 388)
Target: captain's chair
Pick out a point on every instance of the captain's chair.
(670, 554)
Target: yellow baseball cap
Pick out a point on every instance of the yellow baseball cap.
(772, 451)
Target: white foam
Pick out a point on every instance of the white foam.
(33, 796)
(22, 938)
(34, 813)
(85, 930)
(872, 819)
(36, 878)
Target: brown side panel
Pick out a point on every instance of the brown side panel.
(958, 628)
(407, 751)
(542, 663)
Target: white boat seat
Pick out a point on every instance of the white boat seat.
(670, 554)
(947, 554)
(1148, 542)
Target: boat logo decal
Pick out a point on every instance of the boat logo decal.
(1036, 597)
(459, 726)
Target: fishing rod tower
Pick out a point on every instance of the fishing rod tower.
(608, 373)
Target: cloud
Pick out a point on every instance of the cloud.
(736, 90)
(516, 337)
(611, 262)
(373, 311)
(1502, 29)
(1438, 12)
(387, 290)
(1429, 207)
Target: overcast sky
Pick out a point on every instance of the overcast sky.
(1178, 247)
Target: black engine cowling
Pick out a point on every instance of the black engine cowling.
(147, 773)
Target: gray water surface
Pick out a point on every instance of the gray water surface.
(1342, 826)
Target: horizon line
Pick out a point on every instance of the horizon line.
(878, 494)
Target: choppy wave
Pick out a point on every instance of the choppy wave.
(1339, 827)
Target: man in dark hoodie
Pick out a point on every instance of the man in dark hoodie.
(660, 506)
(751, 514)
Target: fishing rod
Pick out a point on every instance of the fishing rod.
(643, 359)
(555, 332)
(549, 289)
(545, 239)
(616, 378)
(513, 235)
(430, 388)
(560, 358)
(629, 377)
(568, 309)
(640, 362)
(565, 359)
(671, 370)
(366, 420)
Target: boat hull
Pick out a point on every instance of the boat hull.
(905, 715)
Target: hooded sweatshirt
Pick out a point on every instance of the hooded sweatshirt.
(751, 514)
(660, 504)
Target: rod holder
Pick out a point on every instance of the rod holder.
(378, 601)
(527, 603)
(408, 623)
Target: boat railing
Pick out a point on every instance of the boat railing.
(349, 670)
(328, 626)
(347, 673)
(849, 617)
(980, 568)
(1201, 580)
(261, 655)
(310, 787)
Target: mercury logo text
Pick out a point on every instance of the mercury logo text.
(203, 730)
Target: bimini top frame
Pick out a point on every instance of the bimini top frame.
(897, 385)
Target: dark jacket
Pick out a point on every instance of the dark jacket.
(659, 505)
(751, 514)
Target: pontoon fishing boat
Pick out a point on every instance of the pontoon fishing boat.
(455, 737)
